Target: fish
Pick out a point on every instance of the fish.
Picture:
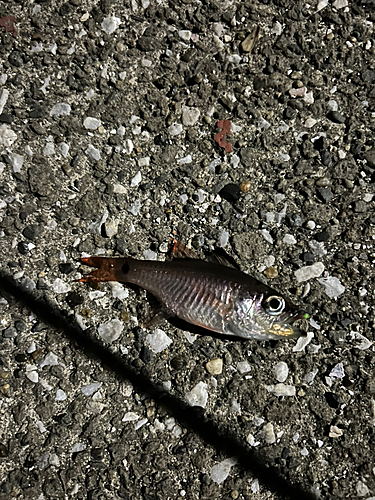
(211, 295)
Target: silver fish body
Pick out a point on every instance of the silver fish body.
(212, 296)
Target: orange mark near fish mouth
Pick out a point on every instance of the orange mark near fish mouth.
(220, 138)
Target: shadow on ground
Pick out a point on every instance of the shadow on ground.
(193, 418)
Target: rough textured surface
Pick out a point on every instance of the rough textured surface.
(108, 116)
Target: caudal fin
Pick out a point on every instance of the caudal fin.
(109, 269)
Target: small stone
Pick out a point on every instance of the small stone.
(360, 207)
(111, 227)
(91, 123)
(59, 286)
(307, 272)
(7, 136)
(111, 330)
(271, 273)
(78, 447)
(321, 5)
(300, 92)
(135, 207)
(245, 186)
(310, 122)
(302, 342)
(362, 490)
(337, 371)
(60, 395)
(335, 432)
(49, 360)
(268, 433)
(263, 124)
(190, 116)
(289, 239)
(198, 396)
(333, 287)
(220, 471)
(215, 366)
(60, 109)
(64, 149)
(281, 371)
(184, 35)
(336, 117)
(223, 239)
(110, 24)
(90, 389)
(49, 149)
(150, 255)
(158, 341)
(243, 367)
(322, 236)
(324, 194)
(130, 416)
(32, 376)
(266, 235)
(332, 105)
(340, 4)
(15, 161)
(370, 157)
(93, 153)
(175, 129)
(281, 390)
(230, 192)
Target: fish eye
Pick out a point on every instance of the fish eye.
(274, 305)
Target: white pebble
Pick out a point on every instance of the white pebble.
(322, 4)
(7, 136)
(302, 342)
(268, 433)
(175, 129)
(340, 4)
(32, 376)
(49, 360)
(144, 162)
(90, 389)
(135, 207)
(111, 330)
(93, 153)
(118, 290)
(263, 124)
(198, 396)
(190, 116)
(3, 99)
(266, 235)
(158, 341)
(281, 371)
(310, 122)
(128, 146)
(136, 179)
(130, 416)
(332, 105)
(243, 367)
(255, 486)
(49, 149)
(289, 239)
(362, 490)
(307, 272)
(150, 255)
(223, 239)
(110, 24)
(78, 447)
(64, 149)
(16, 162)
(337, 371)
(220, 471)
(60, 395)
(185, 161)
(281, 390)
(184, 35)
(60, 109)
(59, 286)
(332, 286)
(91, 123)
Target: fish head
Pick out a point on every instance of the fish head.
(266, 317)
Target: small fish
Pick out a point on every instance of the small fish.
(210, 295)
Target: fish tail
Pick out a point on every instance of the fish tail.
(109, 269)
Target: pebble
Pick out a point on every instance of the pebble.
(223, 239)
(245, 186)
(215, 366)
(190, 116)
(136, 179)
(268, 433)
(321, 5)
(130, 416)
(271, 273)
(310, 122)
(64, 149)
(289, 239)
(308, 272)
(332, 286)
(78, 447)
(281, 371)
(118, 290)
(340, 4)
(336, 117)
(243, 367)
(263, 124)
(198, 396)
(93, 153)
(281, 389)
(59, 286)
(230, 192)
(111, 330)
(332, 105)
(185, 35)
(364, 342)
(90, 389)
(60, 395)
(7, 136)
(49, 149)
(266, 235)
(110, 24)
(302, 342)
(158, 341)
(150, 255)
(91, 123)
(362, 490)
(15, 161)
(337, 371)
(175, 129)
(60, 109)
(135, 207)
(324, 194)
(111, 227)
(335, 431)
(32, 375)
(3, 99)
(49, 360)
(300, 92)
(220, 471)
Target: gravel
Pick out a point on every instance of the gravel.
(108, 114)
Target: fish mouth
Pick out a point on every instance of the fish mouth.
(288, 326)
